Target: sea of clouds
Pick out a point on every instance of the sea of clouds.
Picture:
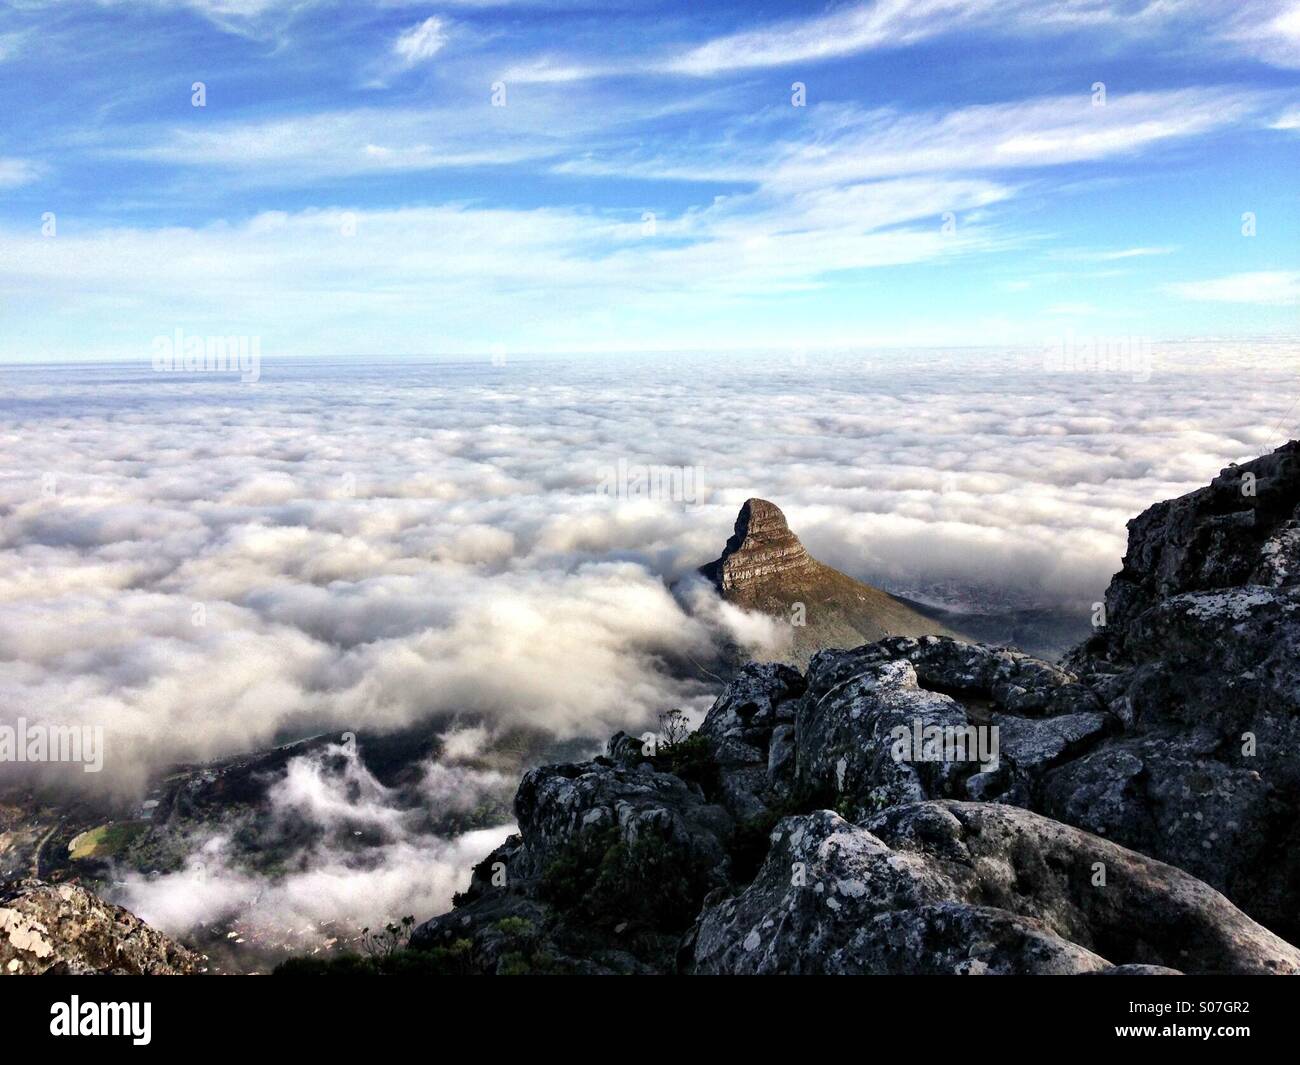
(204, 566)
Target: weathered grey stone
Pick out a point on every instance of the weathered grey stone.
(845, 744)
(781, 758)
(757, 698)
(1034, 745)
(64, 929)
(959, 887)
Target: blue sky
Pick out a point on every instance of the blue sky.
(349, 186)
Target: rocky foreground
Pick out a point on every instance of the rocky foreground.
(62, 929)
(917, 804)
(1137, 814)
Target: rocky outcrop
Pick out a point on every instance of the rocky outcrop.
(844, 737)
(65, 930)
(1200, 660)
(1240, 533)
(612, 863)
(925, 805)
(765, 568)
(953, 887)
(761, 547)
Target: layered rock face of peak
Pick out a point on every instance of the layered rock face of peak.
(765, 568)
(762, 547)
(1135, 814)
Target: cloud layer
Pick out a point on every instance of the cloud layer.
(204, 567)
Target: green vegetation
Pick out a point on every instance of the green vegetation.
(519, 927)
(604, 880)
(690, 760)
(454, 960)
(106, 840)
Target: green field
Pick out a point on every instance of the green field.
(106, 840)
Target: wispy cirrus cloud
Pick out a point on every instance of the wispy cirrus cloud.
(1111, 255)
(563, 271)
(848, 143)
(1253, 26)
(1270, 33)
(421, 42)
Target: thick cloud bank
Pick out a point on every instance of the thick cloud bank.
(203, 566)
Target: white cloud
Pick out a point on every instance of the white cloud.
(421, 42)
(307, 281)
(15, 172)
(10, 45)
(851, 29)
(333, 886)
(383, 543)
(886, 23)
(471, 567)
(849, 143)
(1270, 287)
(1113, 254)
(1269, 32)
(1288, 120)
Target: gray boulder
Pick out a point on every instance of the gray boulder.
(844, 736)
(954, 887)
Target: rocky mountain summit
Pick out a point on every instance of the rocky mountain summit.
(765, 568)
(924, 805)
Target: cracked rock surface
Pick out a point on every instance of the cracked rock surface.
(64, 929)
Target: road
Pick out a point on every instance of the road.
(40, 847)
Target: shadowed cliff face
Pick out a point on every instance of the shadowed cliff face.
(765, 568)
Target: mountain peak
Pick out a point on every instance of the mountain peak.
(765, 568)
(761, 546)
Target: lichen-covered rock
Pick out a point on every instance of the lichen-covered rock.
(610, 866)
(1200, 661)
(1166, 794)
(759, 697)
(64, 929)
(782, 759)
(954, 887)
(1034, 746)
(1012, 680)
(1237, 532)
(558, 806)
(844, 737)
(738, 730)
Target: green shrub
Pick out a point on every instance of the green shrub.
(516, 927)
(454, 960)
(690, 760)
